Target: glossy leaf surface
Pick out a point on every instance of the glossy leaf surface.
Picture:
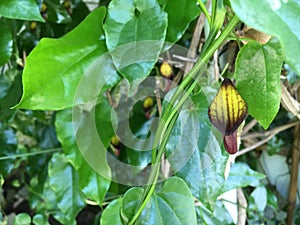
(258, 69)
(6, 43)
(133, 28)
(56, 79)
(278, 18)
(64, 183)
(180, 14)
(20, 9)
(174, 204)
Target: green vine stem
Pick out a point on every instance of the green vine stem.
(171, 113)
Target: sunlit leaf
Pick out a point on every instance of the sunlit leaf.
(64, 183)
(22, 219)
(55, 67)
(111, 214)
(20, 9)
(173, 204)
(258, 69)
(278, 18)
(180, 14)
(133, 28)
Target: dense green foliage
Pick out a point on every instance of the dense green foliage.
(75, 137)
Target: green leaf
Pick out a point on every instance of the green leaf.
(259, 196)
(20, 9)
(204, 171)
(241, 175)
(204, 216)
(40, 220)
(64, 183)
(6, 43)
(8, 147)
(92, 184)
(66, 136)
(55, 67)
(22, 219)
(183, 139)
(174, 204)
(180, 14)
(74, 130)
(258, 69)
(6, 81)
(278, 18)
(50, 204)
(135, 27)
(111, 214)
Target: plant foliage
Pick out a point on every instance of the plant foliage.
(77, 136)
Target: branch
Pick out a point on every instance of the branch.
(294, 174)
(195, 41)
(242, 210)
(269, 134)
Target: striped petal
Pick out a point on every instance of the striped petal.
(228, 109)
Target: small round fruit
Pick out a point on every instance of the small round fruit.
(33, 25)
(44, 8)
(166, 70)
(148, 103)
(115, 141)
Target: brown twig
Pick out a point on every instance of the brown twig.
(242, 210)
(294, 174)
(249, 126)
(195, 40)
(289, 103)
(110, 99)
(216, 66)
(157, 95)
(269, 135)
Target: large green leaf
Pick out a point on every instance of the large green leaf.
(40, 220)
(204, 171)
(55, 67)
(129, 27)
(174, 204)
(66, 136)
(259, 196)
(50, 204)
(279, 18)
(22, 219)
(183, 140)
(6, 43)
(93, 131)
(180, 14)
(8, 147)
(220, 215)
(20, 9)
(241, 175)
(258, 69)
(92, 183)
(64, 183)
(6, 81)
(111, 214)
